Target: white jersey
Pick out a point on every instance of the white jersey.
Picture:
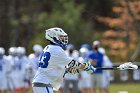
(18, 71)
(85, 81)
(21, 64)
(33, 63)
(4, 72)
(136, 74)
(106, 73)
(74, 55)
(4, 66)
(52, 66)
(107, 63)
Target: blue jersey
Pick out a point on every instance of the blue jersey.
(98, 57)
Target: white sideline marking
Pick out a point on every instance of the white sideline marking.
(123, 92)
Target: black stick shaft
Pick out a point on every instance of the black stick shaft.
(107, 68)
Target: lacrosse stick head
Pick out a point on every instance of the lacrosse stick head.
(128, 65)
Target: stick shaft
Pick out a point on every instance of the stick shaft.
(107, 68)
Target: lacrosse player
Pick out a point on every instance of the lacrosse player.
(22, 60)
(4, 71)
(33, 60)
(85, 80)
(96, 59)
(33, 63)
(12, 58)
(54, 63)
(106, 73)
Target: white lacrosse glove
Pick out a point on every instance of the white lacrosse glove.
(89, 68)
(128, 65)
(73, 67)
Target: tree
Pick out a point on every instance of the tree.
(24, 23)
(123, 35)
(67, 15)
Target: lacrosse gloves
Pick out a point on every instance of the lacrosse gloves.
(89, 68)
(74, 67)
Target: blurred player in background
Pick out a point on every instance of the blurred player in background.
(96, 59)
(20, 68)
(106, 73)
(85, 80)
(12, 58)
(136, 74)
(33, 60)
(18, 62)
(124, 75)
(54, 63)
(70, 80)
(87, 46)
(33, 63)
(4, 71)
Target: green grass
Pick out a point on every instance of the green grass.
(130, 87)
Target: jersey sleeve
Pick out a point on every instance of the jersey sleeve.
(64, 58)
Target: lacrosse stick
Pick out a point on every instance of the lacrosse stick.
(124, 66)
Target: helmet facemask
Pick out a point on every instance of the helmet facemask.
(64, 39)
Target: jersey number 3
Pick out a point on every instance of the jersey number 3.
(44, 58)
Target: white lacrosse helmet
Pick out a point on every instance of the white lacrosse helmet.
(102, 50)
(57, 36)
(83, 51)
(96, 43)
(2, 51)
(12, 51)
(20, 51)
(37, 48)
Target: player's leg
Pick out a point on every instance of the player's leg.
(106, 82)
(99, 80)
(93, 83)
(17, 82)
(66, 86)
(87, 85)
(75, 86)
(3, 85)
(42, 90)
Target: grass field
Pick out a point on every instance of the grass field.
(130, 87)
(123, 88)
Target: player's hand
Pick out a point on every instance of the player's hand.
(89, 68)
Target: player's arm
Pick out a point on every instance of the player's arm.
(75, 67)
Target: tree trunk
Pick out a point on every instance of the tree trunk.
(137, 28)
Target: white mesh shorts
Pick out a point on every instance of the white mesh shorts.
(42, 90)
